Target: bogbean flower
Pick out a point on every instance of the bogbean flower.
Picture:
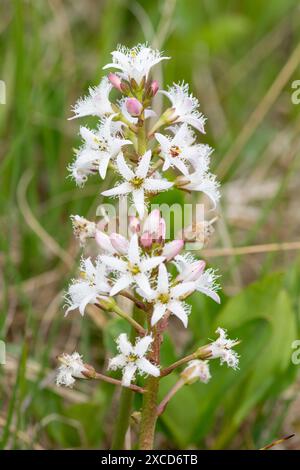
(203, 181)
(87, 290)
(132, 359)
(180, 152)
(194, 270)
(135, 63)
(169, 298)
(196, 370)
(137, 183)
(184, 107)
(137, 266)
(102, 145)
(134, 269)
(222, 348)
(96, 103)
(99, 148)
(71, 368)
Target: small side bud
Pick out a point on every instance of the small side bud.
(154, 87)
(172, 249)
(196, 370)
(115, 81)
(134, 107)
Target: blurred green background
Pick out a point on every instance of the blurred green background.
(241, 59)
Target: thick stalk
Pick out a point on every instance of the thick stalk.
(149, 409)
(126, 399)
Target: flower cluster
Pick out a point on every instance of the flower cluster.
(139, 265)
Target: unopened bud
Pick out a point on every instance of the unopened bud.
(104, 242)
(134, 224)
(154, 87)
(196, 370)
(156, 226)
(115, 81)
(119, 243)
(172, 249)
(133, 106)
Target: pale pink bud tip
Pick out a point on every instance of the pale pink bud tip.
(134, 224)
(154, 87)
(172, 249)
(133, 106)
(155, 225)
(115, 81)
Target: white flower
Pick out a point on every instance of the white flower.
(137, 183)
(166, 297)
(72, 367)
(207, 285)
(184, 106)
(180, 151)
(132, 270)
(132, 359)
(194, 270)
(196, 370)
(222, 348)
(201, 181)
(99, 148)
(88, 289)
(136, 62)
(83, 228)
(96, 103)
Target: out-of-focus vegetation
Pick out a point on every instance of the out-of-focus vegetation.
(241, 58)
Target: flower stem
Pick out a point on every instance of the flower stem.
(149, 414)
(111, 380)
(126, 399)
(149, 408)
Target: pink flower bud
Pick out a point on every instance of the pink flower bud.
(154, 87)
(146, 240)
(172, 249)
(119, 243)
(115, 81)
(134, 224)
(104, 242)
(192, 272)
(155, 225)
(133, 106)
